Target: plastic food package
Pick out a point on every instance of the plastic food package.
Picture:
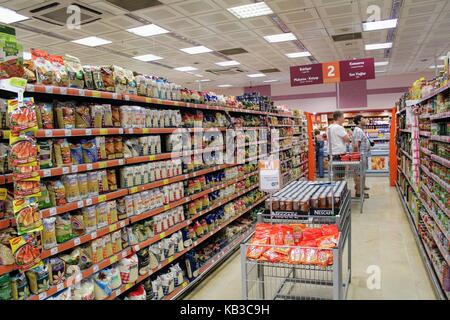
(44, 199)
(93, 183)
(74, 71)
(102, 214)
(65, 114)
(56, 192)
(57, 270)
(46, 154)
(98, 78)
(49, 233)
(26, 213)
(90, 154)
(100, 142)
(63, 228)
(11, 54)
(60, 76)
(90, 219)
(112, 212)
(5, 287)
(62, 152)
(26, 250)
(129, 269)
(70, 183)
(19, 286)
(84, 290)
(38, 279)
(97, 250)
(102, 285)
(63, 295)
(77, 221)
(82, 116)
(137, 294)
(43, 66)
(107, 77)
(44, 114)
(83, 185)
(114, 272)
(88, 77)
(23, 150)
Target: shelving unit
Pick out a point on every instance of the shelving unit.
(425, 193)
(51, 92)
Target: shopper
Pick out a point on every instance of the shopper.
(319, 148)
(361, 143)
(338, 141)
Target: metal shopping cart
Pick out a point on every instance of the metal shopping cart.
(262, 280)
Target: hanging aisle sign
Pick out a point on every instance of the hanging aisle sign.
(333, 72)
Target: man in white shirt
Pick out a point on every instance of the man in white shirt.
(338, 139)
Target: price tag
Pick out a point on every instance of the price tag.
(18, 82)
(112, 228)
(122, 224)
(134, 190)
(188, 222)
(60, 286)
(78, 277)
(117, 292)
(148, 100)
(195, 243)
(95, 267)
(136, 248)
(184, 284)
(145, 130)
(48, 89)
(152, 157)
(77, 241)
(46, 172)
(65, 170)
(54, 251)
(103, 131)
(67, 132)
(102, 165)
(166, 181)
(63, 90)
(170, 259)
(88, 202)
(124, 254)
(88, 132)
(52, 211)
(74, 168)
(128, 286)
(94, 235)
(96, 94)
(48, 133)
(113, 259)
(42, 295)
(162, 235)
(121, 162)
(81, 93)
(102, 198)
(89, 166)
(166, 207)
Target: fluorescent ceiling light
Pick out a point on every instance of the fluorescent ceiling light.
(148, 30)
(227, 63)
(196, 50)
(202, 80)
(377, 46)
(9, 16)
(268, 81)
(281, 37)
(251, 10)
(438, 67)
(147, 57)
(198, 75)
(185, 69)
(298, 54)
(92, 41)
(442, 57)
(380, 71)
(256, 75)
(380, 25)
(381, 63)
(224, 85)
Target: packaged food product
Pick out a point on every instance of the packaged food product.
(74, 71)
(44, 199)
(103, 186)
(70, 183)
(57, 270)
(63, 228)
(46, 153)
(57, 192)
(26, 250)
(49, 233)
(112, 180)
(102, 214)
(88, 77)
(128, 267)
(29, 187)
(82, 116)
(97, 114)
(62, 152)
(23, 150)
(102, 285)
(120, 81)
(98, 78)
(100, 142)
(26, 213)
(65, 114)
(76, 153)
(93, 183)
(38, 279)
(77, 222)
(29, 71)
(84, 290)
(90, 153)
(90, 219)
(107, 116)
(107, 77)
(115, 110)
(60, 78)
(44, 114)
(43, 66)
(5, 282)
(11, 54)
(83, 185)
(19, 286)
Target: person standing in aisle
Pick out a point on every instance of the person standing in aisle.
(319, 146)
(361, 144)
(338, 141)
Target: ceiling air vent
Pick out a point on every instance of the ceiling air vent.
(135, 4)
(272, 70)
(226, 72)
(230, 52)
(347, 36)
(56, 13)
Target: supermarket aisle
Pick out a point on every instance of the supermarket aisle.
(381, 237)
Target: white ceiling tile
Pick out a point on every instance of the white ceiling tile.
(289, 5)
(158, 13)
(232, 3)
(228, 27)
(104, 6)
(122, 22)
(21, 4)
(180, 24)
(299, 15)
(258, 22)
(197, 33)
(119, 36)
(215, 17)
(98, 28)
(268, 31)
(43, 40)
(43, 26)
(194, 7)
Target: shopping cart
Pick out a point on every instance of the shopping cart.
(262, 280)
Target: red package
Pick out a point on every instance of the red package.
(311, 234)
(308, 243)
(325, 258)
(288, 235)
(276, 236)
(275, 257)
(331, 229)
(254, 252)
(326, 242)
(310, 256)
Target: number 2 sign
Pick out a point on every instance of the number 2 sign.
(331, 72)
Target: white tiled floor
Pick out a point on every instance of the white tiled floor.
(381, 236)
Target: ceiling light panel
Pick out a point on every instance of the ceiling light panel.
(381, 63)
(438, 67)
(380, 25)
(251, 10)
(92, 41)
(196, 50)
(9, 16)
(256, 75)
(378, 46)
(224, 85)
(203, 80)
(269, 81)
(185, 69)
(227, 63)
(289, 36)
(148, 57)
(148, 30)
(298, 54)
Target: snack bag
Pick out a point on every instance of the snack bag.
(11, 54)
(26, 213)
(29, 71)
(74, 71)
(44, 114)
(82, 116)
(88, 77)
(61, 77)
(97, 78)
(65, 114)
(26, 250)
(22, 118)
(107, 77)
(120, 81)
(43, 65)
(30, 187)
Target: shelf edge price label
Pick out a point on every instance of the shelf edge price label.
(52, 211)
(65, 170)
(54, 251)
(170, 259)
(74, 168)
(136, 248)
(134, 189)
(152, 157)
(48, 133)
(42, 295)
(89, 166)
(94, 235)
(95, 267)
(167, 207)
(88, 132)
(96, 94)
(162, 235)
(88, 202)
(112, 228)
(63, 90)
(103, 131)
(102, 164)
(166, 181)
(76, 241)
(60, 286)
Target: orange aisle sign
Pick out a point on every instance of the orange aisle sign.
(331, 72)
